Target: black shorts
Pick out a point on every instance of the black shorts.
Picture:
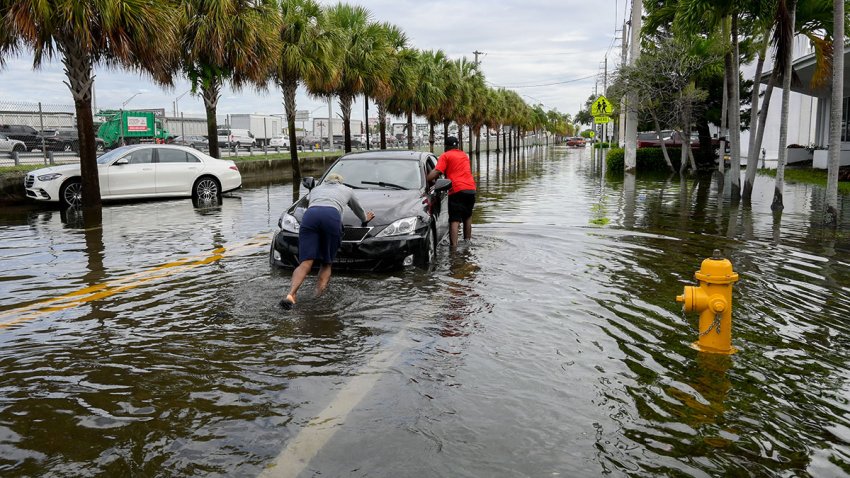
(461, 204)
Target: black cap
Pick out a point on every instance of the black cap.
(451, 143)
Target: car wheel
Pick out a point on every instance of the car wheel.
(19, 148)
(71, 193)
(206, 190)
(428, 254)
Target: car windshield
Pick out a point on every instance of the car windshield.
(112, 155)
(379, 173)
(223, 132)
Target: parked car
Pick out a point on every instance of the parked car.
(411, 216)
(139, 171)
(65, 139)
(26, 134)
(9, 144)
(235, 137)
(197, 142)
(576, 142)
(670, 138)
(279, 142)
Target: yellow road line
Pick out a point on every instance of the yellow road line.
(107, 289)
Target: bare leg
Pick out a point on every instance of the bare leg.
(324, 278)
(467, 229)
(453, 230)
(298, 276)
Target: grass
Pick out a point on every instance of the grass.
(20, 169)
(808, 176)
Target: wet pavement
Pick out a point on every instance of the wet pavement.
(147, 342)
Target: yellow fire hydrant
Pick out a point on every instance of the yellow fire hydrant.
(713, 300)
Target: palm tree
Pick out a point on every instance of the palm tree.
(361, 46)
(85, 33)
(306, 56)
(228, 40)
(431, 89)
(784, 56)
(835, 112)
(398, 79)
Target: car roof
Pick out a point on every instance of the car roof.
(388, 154)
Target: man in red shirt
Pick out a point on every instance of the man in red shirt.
(454, 165)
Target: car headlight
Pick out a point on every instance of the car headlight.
(288, 223)
(400, 227)
(49, 177)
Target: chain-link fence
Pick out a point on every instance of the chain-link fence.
(37, 133)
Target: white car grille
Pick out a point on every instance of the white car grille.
(29, 180)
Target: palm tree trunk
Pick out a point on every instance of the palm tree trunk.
(410, 130)
(735, 115)
(78, 70)
(210, 93)
(445, 129)
(765, 107)
(724, 124)
(289, 88)
(345, 100)
(777, 204)
(469, 128)
(366, 110)
(504, 140)
(835, 112)
(460, 136)
(431, 125)
(752, 152)
(382, 122)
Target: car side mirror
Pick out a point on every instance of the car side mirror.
(120, 162)
(442, 184)
(309, 182)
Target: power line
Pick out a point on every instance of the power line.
(547, 84)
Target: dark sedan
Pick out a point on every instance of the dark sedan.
(411, 216)
(64, 140)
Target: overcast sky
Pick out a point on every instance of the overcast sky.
(525, 44)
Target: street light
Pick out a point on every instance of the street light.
(177, 101)
(130, 98)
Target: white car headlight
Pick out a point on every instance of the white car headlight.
(49, 177)
(289, 223)
(400, 227)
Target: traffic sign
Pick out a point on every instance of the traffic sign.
(601, 107)
(601, 119)
(591, 133)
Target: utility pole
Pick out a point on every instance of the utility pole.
(476, 53)
(630, 159)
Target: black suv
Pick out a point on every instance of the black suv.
(27, 134)
(65, 139)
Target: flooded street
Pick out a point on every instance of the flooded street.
(149, 342)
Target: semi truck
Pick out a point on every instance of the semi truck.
(130, 127)
(262, 127)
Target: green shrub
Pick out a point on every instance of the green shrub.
(602, 145)
(648, 159)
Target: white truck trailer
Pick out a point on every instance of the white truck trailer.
(263, 127)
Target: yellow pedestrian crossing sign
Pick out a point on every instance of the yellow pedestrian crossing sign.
(601, 107)
(601, 119)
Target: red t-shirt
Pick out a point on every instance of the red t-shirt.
(454, 164)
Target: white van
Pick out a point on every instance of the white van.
(235, 137)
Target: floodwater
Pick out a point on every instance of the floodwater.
(148, 342)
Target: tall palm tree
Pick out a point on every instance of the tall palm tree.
(785, 35)
(397, 79)
(228, 40)
(307, 57)
(86, 33)
(835, 112)
(432, 89)
(361, 46)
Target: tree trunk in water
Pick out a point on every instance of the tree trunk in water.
(210, 94)
(478, 140)
(832, 211)
(345, 100)
(289, 88)
(777, 204)
(735, 115)
(431, 134)
(409, 130)
(445, 130)
(504, 140)
(663, 146)
(78, 70)
(382, 122)
(683, 156)
(724, 130)
(752, 151)
(470, 138)
(765, 106)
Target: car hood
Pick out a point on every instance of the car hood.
(65, 169)
(388, 206)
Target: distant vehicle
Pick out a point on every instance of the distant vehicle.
(9, 144)
(411, 215)
(576, 142)
(121, 128)
(65, 139)
(279, 142)
(238, 137)
(262, 127)
(651, 139)
(197, 142)
(26, 134)
(139, 171)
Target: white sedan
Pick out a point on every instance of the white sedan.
(279, 141)
(9, 144)
(140, 171)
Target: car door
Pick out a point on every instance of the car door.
(134, 174)
(439, 201)
(176, 170)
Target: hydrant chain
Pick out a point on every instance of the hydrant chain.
(714, 325)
